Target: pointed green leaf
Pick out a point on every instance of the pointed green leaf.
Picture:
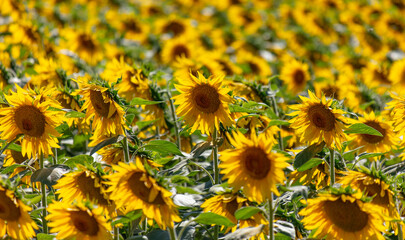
(141, 101)
(210, 218)
(74, 114)
(163, 147)
(361, 128)
(308, 153)
(246, 212)
(313, 162)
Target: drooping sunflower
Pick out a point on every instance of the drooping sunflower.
(315, 121)
(77, 221)
(108, 115)
(226, 205)
(372, 186)
(203, 103)
(14, 218)
(133, 188)
(295, 75)
(84, 185)
(343, 217)
(253, 166)
(373, 143)
(28, 115)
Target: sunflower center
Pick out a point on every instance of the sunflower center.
(132, 25)
(254, 68)
(86, 185)
(226, 67)
(373, 138)
(373, 41)
(206, 98)
(8, 210)
(86, 42)
(346, 215)
(396, 26)
(331, 91)
(29, 32)
(382, 77)
(97, 100)
(30, 120)
(174, 27)
(180, 51)
(18, 157)
(375, 190)
(322, 117)
(256, 162)
(84, 223)
(139, 188)
(299, 77)
(231, 206)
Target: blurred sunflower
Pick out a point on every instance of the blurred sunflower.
(30, 116)
(84, 185)
(77, 221)
(295, 75)
(133, 188)
(23, 31)
(16, 157)
(315, 121)
(46, 74)
(203, 103)
(174, 49)
(108, 114)
(397, 75)
(14, 218)
(375, 76)
(258, 68)
(175, 26)
(373, 143)
(129, 25)
(343, 217)
(253, 166)
(397, 106)
(373, 186)
(247, 19)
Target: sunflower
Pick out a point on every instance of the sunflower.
(14, 218)
(372, 143)
(315, 121)
(173, 49)
(128, 25)
(226, 205)
(203, 103)
(133, 188)
(16, 157)
(30, 116)
(253, 166)
(77, 221)
(343, 217)
(375, 76)
(375, 187)
(397, 75)
(24, 32)
(108, 114)
(84, 185)
(185, 67)
(295, 75)
(175, 26)
(258, 67)
(397, 113)
(318, 176)
(46, 74)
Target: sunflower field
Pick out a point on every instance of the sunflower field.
(200, 119)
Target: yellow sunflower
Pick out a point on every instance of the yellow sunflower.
(253, 166)
(129, 25)
(203, 103)
(77, 221)
(23, 31)
(397, 106)
(375, 76)
(173, 49)
(372, 143)
(14, 218)
(295, 75)
(30, 116)
(318, 176)
(133, 188)
(84, 185)
(397, 75)
(226, 205)
(108, 115)
(315, 121)
(46, 76)
(343, 217)
(375, 187)
(16, 157)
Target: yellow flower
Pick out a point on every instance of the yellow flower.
(397, 75)
(30, 116)
(375, 76)
(177, 27)
(319, 176)
(203, 103)
(343, 217)
(16, 157)
(133, 188)
(253, 166)
(14, 218)
(77, 221)
(129, 25)
(397, 113)
(24, 32)
(46, 76)
(173, 49)
(295, 75)
(259, 68)
(108, 115)
(315, 121)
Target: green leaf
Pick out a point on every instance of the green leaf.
(210, 218)
(142, 124)
(313, 162)
(129, 217)
(163, 147)
(278, 123)
(308, 153)
(79, 159)
(370, 155)
(33, 200)
(140, 101)
(43, 236)
(106, 142)
(74, 114)
(11, 168)
(361, 128)
(246, 212)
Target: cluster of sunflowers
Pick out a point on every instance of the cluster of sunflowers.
(198, 119)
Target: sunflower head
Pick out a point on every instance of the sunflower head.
(295, 75)
(315, 121)
(203, 103)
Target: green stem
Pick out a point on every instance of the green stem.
(275, 109)
(332, 167)
(172, 234)
(271, 218)
(216, 232)
(176, 128)
(215, 156)
(55, 157)
(116, 233)
(205, 170)
(126, 149)
(44, 203)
